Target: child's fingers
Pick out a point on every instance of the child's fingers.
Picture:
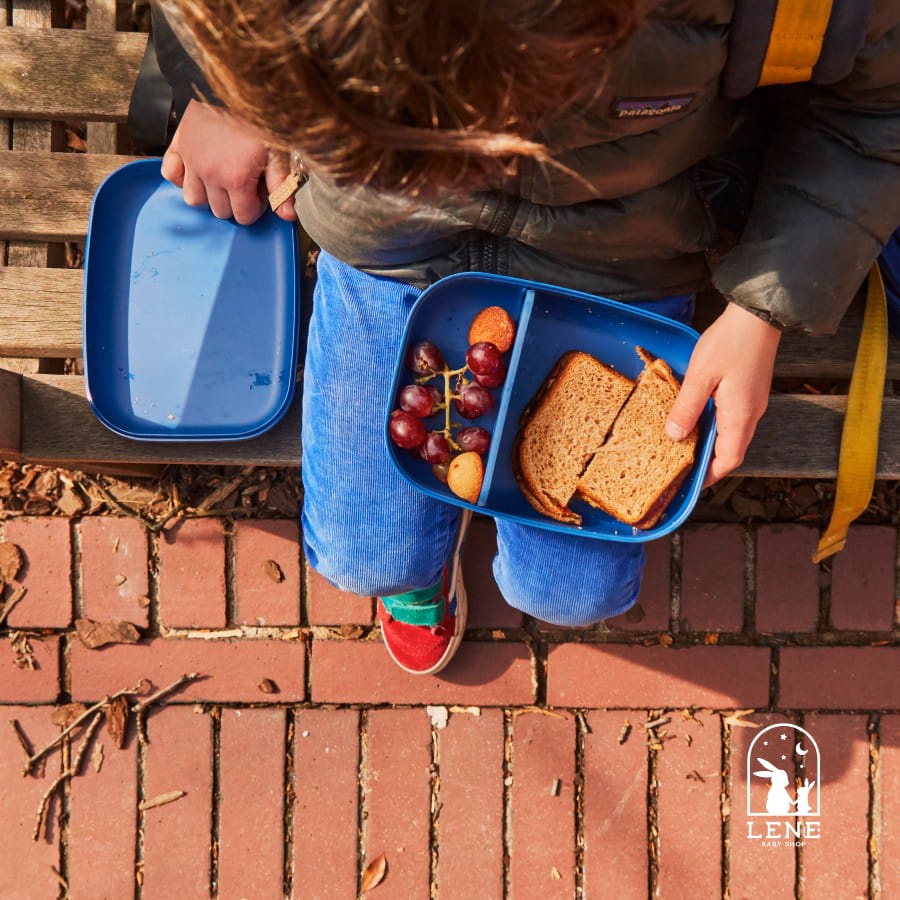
(173, 167)
(277, 169)
(194, 190)
(219, 202)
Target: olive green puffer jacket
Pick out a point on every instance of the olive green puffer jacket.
(783, 196)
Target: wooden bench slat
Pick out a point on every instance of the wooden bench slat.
(800, 434)
(64, 74)
(40, 312)
(797, 438)
(59, 428)
(47, 196)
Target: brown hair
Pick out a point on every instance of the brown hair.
(407, 96)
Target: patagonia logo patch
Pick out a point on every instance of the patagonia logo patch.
(646, 107)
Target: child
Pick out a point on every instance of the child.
(586, 144)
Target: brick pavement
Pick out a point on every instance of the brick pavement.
(530, 768)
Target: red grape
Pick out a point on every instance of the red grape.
(483, 358)
(425, 358)
(474, 438)
(492, 379)
(406, 430)
(436, 448)
(473, 401)
(420, 400)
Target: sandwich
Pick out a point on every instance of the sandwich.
(594, 434)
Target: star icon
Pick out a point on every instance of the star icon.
(783, 756)
(783, 737)
(765, 743)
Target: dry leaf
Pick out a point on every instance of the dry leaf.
(665, 640)
(117, 720)
(554, 874)
(267, 686)
(95, 634)
(10, 561)
(374, 873)
(273, 570)
(119, 579)
(97, 757)
(711, 637)
(69, 503)
(65, 715)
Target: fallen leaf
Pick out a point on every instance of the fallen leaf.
(711, 637)
(114, 631)
(374, 873)
(69, 503)
(665, 640)
(97, 757)
(267, 686)
(554, 874)
(117, 720)
(273, 570)
(65, 715)
(10, 561)
(119, 579)
(161, 800)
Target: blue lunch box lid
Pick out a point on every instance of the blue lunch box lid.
(191, 323)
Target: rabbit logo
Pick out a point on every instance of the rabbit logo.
(775, 753)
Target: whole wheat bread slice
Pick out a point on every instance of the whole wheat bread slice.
(637, 471)
(563, 427)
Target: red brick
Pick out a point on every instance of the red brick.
(489, 673)
(651, 611)
(233, 669)
(258, 598)
(177, 836)
(192, 575)
(755, 870)
(712, 581)
(689, 817)
(471, 796)
(47, 549)
(25, 863)
(113, 548)
(615, 808)
(398, 798)
(862, 580)
(836, 864)
(610, 675)
(889, 849)
(40, 685)
(487, 608)
(838, 678)
(103, 823)
(542, 822)
(326, 808)
(787, 582)
(251, 805)
(327, 605)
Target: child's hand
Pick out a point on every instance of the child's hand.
(732, 363)
(218, 160)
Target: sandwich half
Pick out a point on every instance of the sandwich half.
(563, 427)
(636, 472)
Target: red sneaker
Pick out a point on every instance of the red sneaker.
(422, 630)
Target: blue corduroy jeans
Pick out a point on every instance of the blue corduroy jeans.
(367, 530)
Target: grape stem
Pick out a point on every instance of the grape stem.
(446, 374)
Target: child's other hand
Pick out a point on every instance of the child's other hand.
(732, 363)
(218, 160)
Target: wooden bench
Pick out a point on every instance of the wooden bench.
(56, 74)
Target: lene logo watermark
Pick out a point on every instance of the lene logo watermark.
(790, 813)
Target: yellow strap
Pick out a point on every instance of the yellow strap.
(859, 439)
(795, 41)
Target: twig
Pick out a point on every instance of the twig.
(29, 765)
(153, 525)
(23, 738)
(14, 598)
(223, 490)
(161, 800)
(140, 719)
(68, 773)
(153, 698)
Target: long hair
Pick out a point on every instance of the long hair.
(410, 96)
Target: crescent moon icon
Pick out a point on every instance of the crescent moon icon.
(800, 752)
